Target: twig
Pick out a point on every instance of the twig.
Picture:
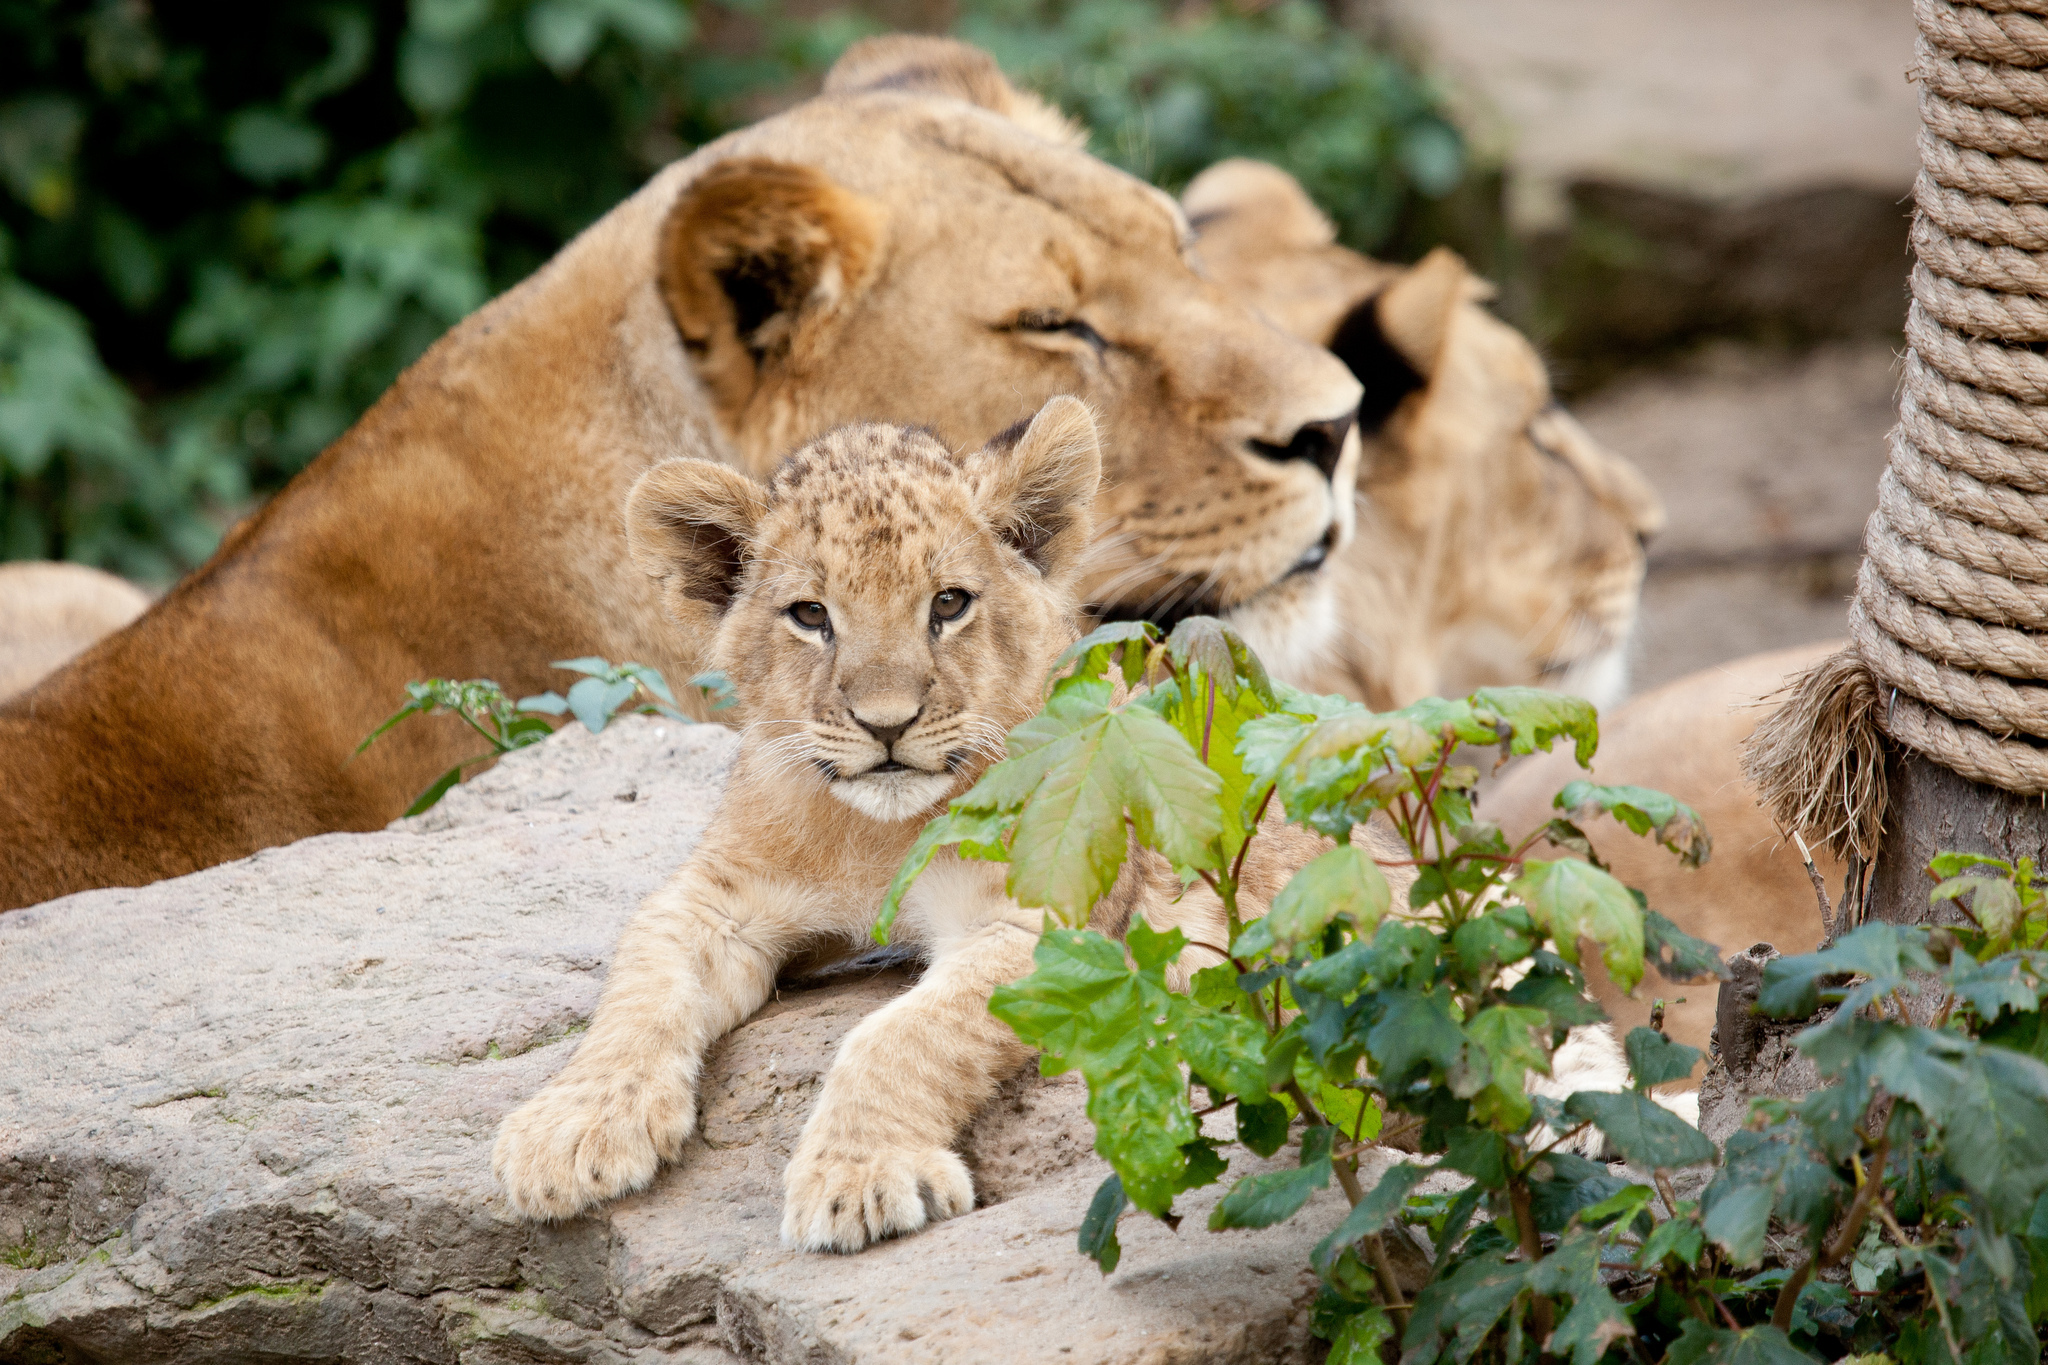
(1820, 889)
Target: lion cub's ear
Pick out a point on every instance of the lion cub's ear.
(1038, 488)
(688, 523)
(756, 259)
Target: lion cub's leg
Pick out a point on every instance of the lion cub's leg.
(876, 1157)
(698, 957)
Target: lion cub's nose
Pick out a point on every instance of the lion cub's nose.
(887, 735)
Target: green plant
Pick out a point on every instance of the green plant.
(604, 690)
(1340, 1024)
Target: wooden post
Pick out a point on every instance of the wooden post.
(1934, 810)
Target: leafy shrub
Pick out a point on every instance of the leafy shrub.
(225, 229)
(1907, 1196)
(604, 690)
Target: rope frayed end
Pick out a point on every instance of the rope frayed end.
(1817, 760)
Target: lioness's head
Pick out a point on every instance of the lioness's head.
(921, 244)
(885, 610)
(1497, 542)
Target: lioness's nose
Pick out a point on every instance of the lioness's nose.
(1320, 443)
(887, 735)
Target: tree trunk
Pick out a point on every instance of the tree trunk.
(1932, 811)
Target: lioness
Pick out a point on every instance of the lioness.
(888, 615)
(917, 243)
(1497, 541)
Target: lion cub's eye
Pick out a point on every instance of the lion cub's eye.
(948, 605)
(810, 615)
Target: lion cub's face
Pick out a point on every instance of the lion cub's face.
(885, 610)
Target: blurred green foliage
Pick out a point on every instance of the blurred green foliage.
(225, 229)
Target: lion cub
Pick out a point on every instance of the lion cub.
(887, 613)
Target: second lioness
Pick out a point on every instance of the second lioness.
(887, 614)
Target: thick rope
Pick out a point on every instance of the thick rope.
(1949, 627)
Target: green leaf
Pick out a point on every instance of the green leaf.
(1203, 642)
(1512, 1038)
(1259, 1201)
(1700, 1344)
(1780, 1170)
(1344, 882)
(1084, 1006)
(1262, 1127)
(1995, 1131)
(1362, 1338)
(1680, 1237)
(1227, 1051)
(1574, 900)
(1380, 1206)
(1622, 1206)
(2010, 981)
(1597, 1319)
(426, 799)
(1098, 1229)
(1415, 1030)
(1677, 826)
(1538, 717)
(1495, 938)
(1885, 954)
(1070, 839)
(1677, 955)
(590, 665)
(1993, 902)
(1645, 1133)
(1091, 653)
(1654, 1059)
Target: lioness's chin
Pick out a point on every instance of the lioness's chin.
(894, 797)
(1292, 626)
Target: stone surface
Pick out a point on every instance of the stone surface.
(247, 1114)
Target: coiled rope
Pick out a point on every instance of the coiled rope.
(1949, 626)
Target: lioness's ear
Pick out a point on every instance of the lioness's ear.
(1393, 341)
(687, 524)
(944, 66)
(1038, 487)
(756, 258)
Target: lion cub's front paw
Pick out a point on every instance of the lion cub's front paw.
(843, 1202)
(576, 1144)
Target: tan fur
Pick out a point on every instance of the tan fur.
(50, 613)
(1497, 541)
(1686, 738)
(890, 252)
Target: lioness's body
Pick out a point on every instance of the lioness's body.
(876, 253)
